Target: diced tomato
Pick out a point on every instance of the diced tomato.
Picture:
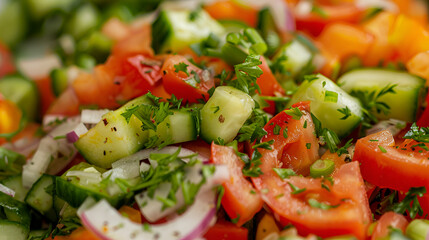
(190, 86)
(349, 216)
(381, 50)
(232, 10)
(67, 104)
(6, 62)
(387, 166)
(388, 221)
(47, 97)
(138, 41)
(418, 65)
(268, 85)
(314, 23)
(199, 146)
(115, 29)
(224, 230)
(240, 200)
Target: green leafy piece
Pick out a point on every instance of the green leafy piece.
(316, 204)
(253, 128)
(247, 73)
(181, 67)
(284, 172)
(346, 111)
(410, 203)
(10, 162)
(150, 116)
(331, 96)
(235, 220)
(319, 11)
(330, 139)
(418, 134)
(343, 149)
(295, 189)
(382, 149)
(294, 112)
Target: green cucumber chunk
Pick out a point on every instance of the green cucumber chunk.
(268, 30)
(84, 19)
(74, 190)
(404, 103)
(23, 92)
(15, 183)
(41, 196)
(233, 25)
(59, 80)
(176, 128)
(174, 30)
(14, 210)
(225, 113)
(13, 23)
(41, 8)
(113, 138)
(13, 230)
(293, 57)
(334, 107)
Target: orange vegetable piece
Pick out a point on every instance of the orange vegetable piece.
(344, 40)
(418, 65)
(10, 116)
(231, 10)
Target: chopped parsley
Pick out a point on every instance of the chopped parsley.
(346, 111)
(284, 172)
(294, 112)
(316, 204)
(418, 134)
(295, 189)
(183, 67)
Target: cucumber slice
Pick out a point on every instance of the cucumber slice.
(293, 57)
(14, 210)
(13, 23)
(404, 104)
(40, 196)
(176, 128)
(175, 30)
(327, 102)
(233, 25)
(23, 92)
(225, 113)
(113, 138)
(268, 29)
(15, 183)
(13, 230)
(75, 190)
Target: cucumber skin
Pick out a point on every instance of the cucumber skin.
(405, 113)
(15, 183)
(69, 189)
(21, 209)
(33, 200)
(327, 112)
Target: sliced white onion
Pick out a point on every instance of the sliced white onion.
(281, 13)
(37, 68)
(394, 126)
(124, 170)
(86, 177)
(51, 119)
(145, 154)
(78, 131)
(303, 8)
(25, 146)
(7, 190)
(93, 116)
(105, 222)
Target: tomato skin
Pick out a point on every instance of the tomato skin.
(224, 230)
(396, 169)
(387, 221)
(6, 62)
(137, 41)
(229, 9)
(67, 104)
(238, 199)
(350, 217)
(268, 85)
(174, 82)
(314, 23)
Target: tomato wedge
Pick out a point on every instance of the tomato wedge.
(224, 230)
(6, 61)
(268, 85)
(190, 85)
(387, 166)
(240, 200)
(345, 206)
(386, 222)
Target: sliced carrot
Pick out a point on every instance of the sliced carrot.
(231, 10)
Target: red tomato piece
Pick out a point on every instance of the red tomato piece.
(349, 216)
(6, 61)
(386, 222)
(240, 199)
(268, 85)
(314, 23)
(185, 85)
(67, 104)
(224, 230)
(389, 167)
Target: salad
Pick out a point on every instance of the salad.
(220, 119)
